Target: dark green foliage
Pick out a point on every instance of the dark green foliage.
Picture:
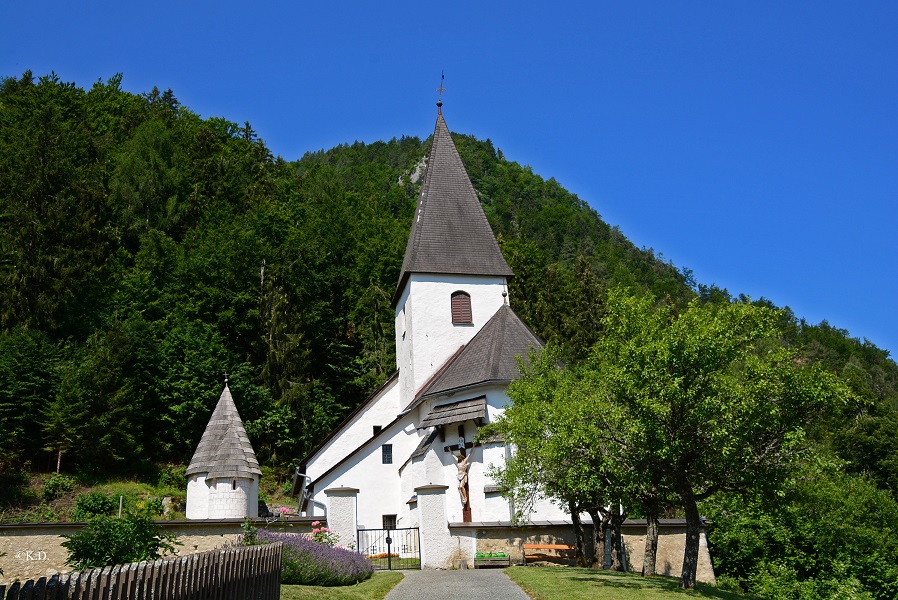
(829, 535)
(56, 485)
(173, 476)
(93, 504)
(28, 378)
(112, 541)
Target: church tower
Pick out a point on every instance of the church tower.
(454, 277)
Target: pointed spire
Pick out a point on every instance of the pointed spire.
(450, 234)
(224, 450)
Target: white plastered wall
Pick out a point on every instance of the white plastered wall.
(381, 410)
(232, 498)
(425, 334)
(484, 507)
(379, 485)
(197, 497)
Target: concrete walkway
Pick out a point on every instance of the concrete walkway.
(464, 584)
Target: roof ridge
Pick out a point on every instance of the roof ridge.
(488, 356)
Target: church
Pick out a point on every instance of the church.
(457, 346)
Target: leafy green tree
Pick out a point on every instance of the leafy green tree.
(721, 399)
(555, 451)
(824, 534)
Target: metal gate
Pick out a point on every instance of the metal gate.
(391, 548)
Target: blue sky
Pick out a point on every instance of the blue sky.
(754, 143)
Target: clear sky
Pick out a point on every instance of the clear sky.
(755, 143)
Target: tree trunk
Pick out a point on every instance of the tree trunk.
(59, 460)
(578, 533)
(690, 554)
(619, 561)
(651, 538)
(598, 528)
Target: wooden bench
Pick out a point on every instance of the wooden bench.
(492, 561)
(559, 548)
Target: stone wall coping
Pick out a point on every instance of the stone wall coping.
(185, 523)
(565, 523)
(341, 490)
(431, 488)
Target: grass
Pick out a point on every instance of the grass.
(568, 583)
(375, 588)
(396, 563)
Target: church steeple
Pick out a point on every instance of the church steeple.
(450, 234)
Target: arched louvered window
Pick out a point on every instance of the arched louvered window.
(461, 308)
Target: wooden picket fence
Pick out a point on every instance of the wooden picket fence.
(250, 572)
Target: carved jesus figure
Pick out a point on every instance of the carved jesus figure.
(463, 464)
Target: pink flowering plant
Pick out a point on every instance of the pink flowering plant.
(322, 535)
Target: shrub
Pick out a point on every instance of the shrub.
(172, 476)
(111, 541)
(57, 485)
(322, 535)
(93, 504)
(309, 563)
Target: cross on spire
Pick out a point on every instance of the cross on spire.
(226, 377)
(441, 89)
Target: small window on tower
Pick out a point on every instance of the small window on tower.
(389, 521)
(386, 453)
(461, 308)
(377, 429)
(234, 484)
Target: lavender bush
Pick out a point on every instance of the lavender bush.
(310, 563)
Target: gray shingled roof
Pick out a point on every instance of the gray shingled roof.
(455, 412)
(490, 356)
(224, 451)
(424, 444)
(450, 233)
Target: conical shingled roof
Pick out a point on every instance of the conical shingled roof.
(224, 450)
(450, 233)
(490, 356)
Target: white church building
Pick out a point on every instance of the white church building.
(407, 457)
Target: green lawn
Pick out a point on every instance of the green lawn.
(569, 583)
(376, 588)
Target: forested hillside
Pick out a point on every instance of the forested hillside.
(146, 250)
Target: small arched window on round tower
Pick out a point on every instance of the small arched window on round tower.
(461, 308)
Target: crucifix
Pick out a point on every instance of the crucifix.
(463, 462)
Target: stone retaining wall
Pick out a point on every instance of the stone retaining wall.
(471, 538)
(35, 550)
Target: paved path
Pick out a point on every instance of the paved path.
(464, 584)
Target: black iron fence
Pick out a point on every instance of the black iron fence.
(391, 548)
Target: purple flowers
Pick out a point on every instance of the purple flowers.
(309, 563)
